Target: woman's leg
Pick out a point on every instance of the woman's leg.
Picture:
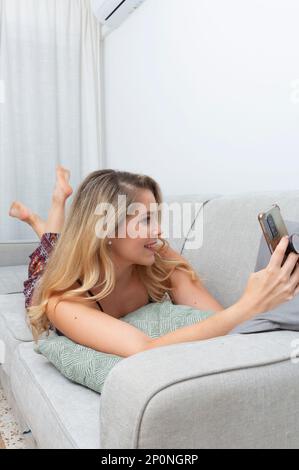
(49, 233)
(56, 215)
(62, 191)
(21, 212)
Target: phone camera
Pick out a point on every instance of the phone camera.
(272, 226)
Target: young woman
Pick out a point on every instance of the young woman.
(81, 282)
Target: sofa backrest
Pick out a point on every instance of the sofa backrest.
(231, 238)
(189, 207)
(14, 260)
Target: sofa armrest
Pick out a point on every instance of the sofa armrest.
(237, 391)
(15, 253)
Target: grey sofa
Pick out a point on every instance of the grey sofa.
(238, 391)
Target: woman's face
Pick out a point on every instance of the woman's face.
(142, 228)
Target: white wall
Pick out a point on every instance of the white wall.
(201, 95)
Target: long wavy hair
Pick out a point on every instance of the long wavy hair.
(80, 254)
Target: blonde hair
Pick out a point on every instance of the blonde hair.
(79, 254)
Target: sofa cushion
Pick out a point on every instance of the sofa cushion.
(60, 414)
(12, 279)
(178, 231)
(90, 367)
(13, 326)
(13, 312)
(238, 391)
(16, 253)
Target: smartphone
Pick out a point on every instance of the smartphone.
(274, 229)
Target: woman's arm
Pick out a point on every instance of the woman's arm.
(188, 292)
(95, 329)
(218, 324)
(192, 293)
(265, 289)
(103, 332)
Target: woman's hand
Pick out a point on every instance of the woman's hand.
(270, 287)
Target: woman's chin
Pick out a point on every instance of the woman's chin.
(148, 259)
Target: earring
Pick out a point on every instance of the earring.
(110, 242)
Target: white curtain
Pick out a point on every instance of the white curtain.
(50, 101)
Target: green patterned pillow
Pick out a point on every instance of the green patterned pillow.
(89, 367)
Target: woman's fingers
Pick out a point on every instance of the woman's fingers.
(278, 254)
(296, 291)
(294, 279)
(289, 264)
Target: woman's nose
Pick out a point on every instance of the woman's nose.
(156, 232)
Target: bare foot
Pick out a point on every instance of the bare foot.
(62, 189)
(21, 212)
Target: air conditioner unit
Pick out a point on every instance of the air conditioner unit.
(113, 12)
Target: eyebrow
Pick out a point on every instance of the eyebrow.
(147, 213)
